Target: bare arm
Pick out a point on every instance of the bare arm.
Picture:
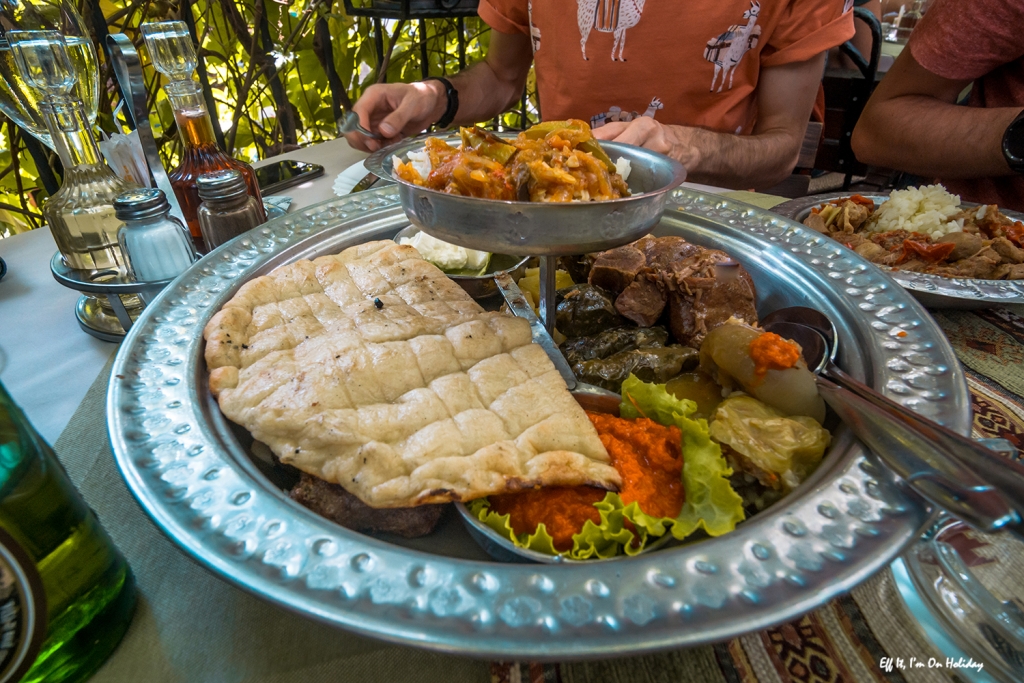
(396, 110)
(861, 39)
(492, 86)
(912, 123)
(785, 98)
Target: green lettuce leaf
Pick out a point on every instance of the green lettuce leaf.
(710, 504)
(607, 539)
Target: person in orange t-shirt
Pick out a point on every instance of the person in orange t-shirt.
(725, 87)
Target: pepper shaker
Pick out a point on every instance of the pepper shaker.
(156, 245)
(228, 210)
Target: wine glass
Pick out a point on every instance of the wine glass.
(18, 100)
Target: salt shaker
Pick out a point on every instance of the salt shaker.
(156, 245)
(227, 209)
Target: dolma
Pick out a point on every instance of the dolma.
(584, 310)
(609, 342)
(652, 364)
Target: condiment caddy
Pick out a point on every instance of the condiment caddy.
(118, 276)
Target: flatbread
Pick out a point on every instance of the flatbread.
(371, 369)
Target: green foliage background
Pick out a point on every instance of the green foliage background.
(270, 98)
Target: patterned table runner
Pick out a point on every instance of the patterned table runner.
(846, 640)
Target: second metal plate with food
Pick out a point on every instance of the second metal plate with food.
(933, 291)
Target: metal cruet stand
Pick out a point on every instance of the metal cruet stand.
(128, 71)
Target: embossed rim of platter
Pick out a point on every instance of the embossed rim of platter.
(968, 289)
(844, 524)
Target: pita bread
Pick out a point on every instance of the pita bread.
(371, 369)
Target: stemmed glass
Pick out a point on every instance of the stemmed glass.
(19, 101)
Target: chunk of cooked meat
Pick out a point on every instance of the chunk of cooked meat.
(871, 251)
(815, 222)
(662, 252)
(890, 240)
(1009, 271)
(854, 216)
(965, 244)
(982, 265)
(1010, 252)
(338, 505)
(851, 240)
(990, 220)
(643, 301)
(616, 268)
(702, 296)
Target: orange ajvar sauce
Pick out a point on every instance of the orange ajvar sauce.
(772, 352)
(648, 457)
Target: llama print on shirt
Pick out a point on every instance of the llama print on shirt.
(726, 51)
(608, 16)
(616, 114)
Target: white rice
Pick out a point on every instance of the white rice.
(927, 209)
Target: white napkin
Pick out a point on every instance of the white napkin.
(125, 156)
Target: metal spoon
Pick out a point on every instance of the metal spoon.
(938, 463)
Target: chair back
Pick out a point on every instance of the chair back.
(846, 93)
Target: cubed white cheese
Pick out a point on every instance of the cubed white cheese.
(623, 167)
(447, 257)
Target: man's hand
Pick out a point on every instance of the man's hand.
(673, 141)
(397, 110)
(785, 97)
(485, 90)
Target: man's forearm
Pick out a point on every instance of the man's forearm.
(738, 161)
(925, 136)
(492, 86)
(482, 94)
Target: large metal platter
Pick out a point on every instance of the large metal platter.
(536, 228)
(190, 472)
(931, 290)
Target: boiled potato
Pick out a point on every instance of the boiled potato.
(725, 355)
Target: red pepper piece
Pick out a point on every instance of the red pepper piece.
(933, 253)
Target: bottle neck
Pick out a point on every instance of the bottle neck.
(191, 115)
(72, 136)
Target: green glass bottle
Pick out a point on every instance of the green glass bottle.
(66, 593)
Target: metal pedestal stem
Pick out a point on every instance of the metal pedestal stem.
(120, 293)
(547, 303)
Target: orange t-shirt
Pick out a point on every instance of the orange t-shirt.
(692, 62)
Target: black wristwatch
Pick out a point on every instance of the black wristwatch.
(1013, 144)
(453, 102)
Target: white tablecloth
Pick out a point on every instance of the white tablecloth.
(47, 362)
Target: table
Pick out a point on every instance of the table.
(890, 51)
(37, 314)
(181, 631)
